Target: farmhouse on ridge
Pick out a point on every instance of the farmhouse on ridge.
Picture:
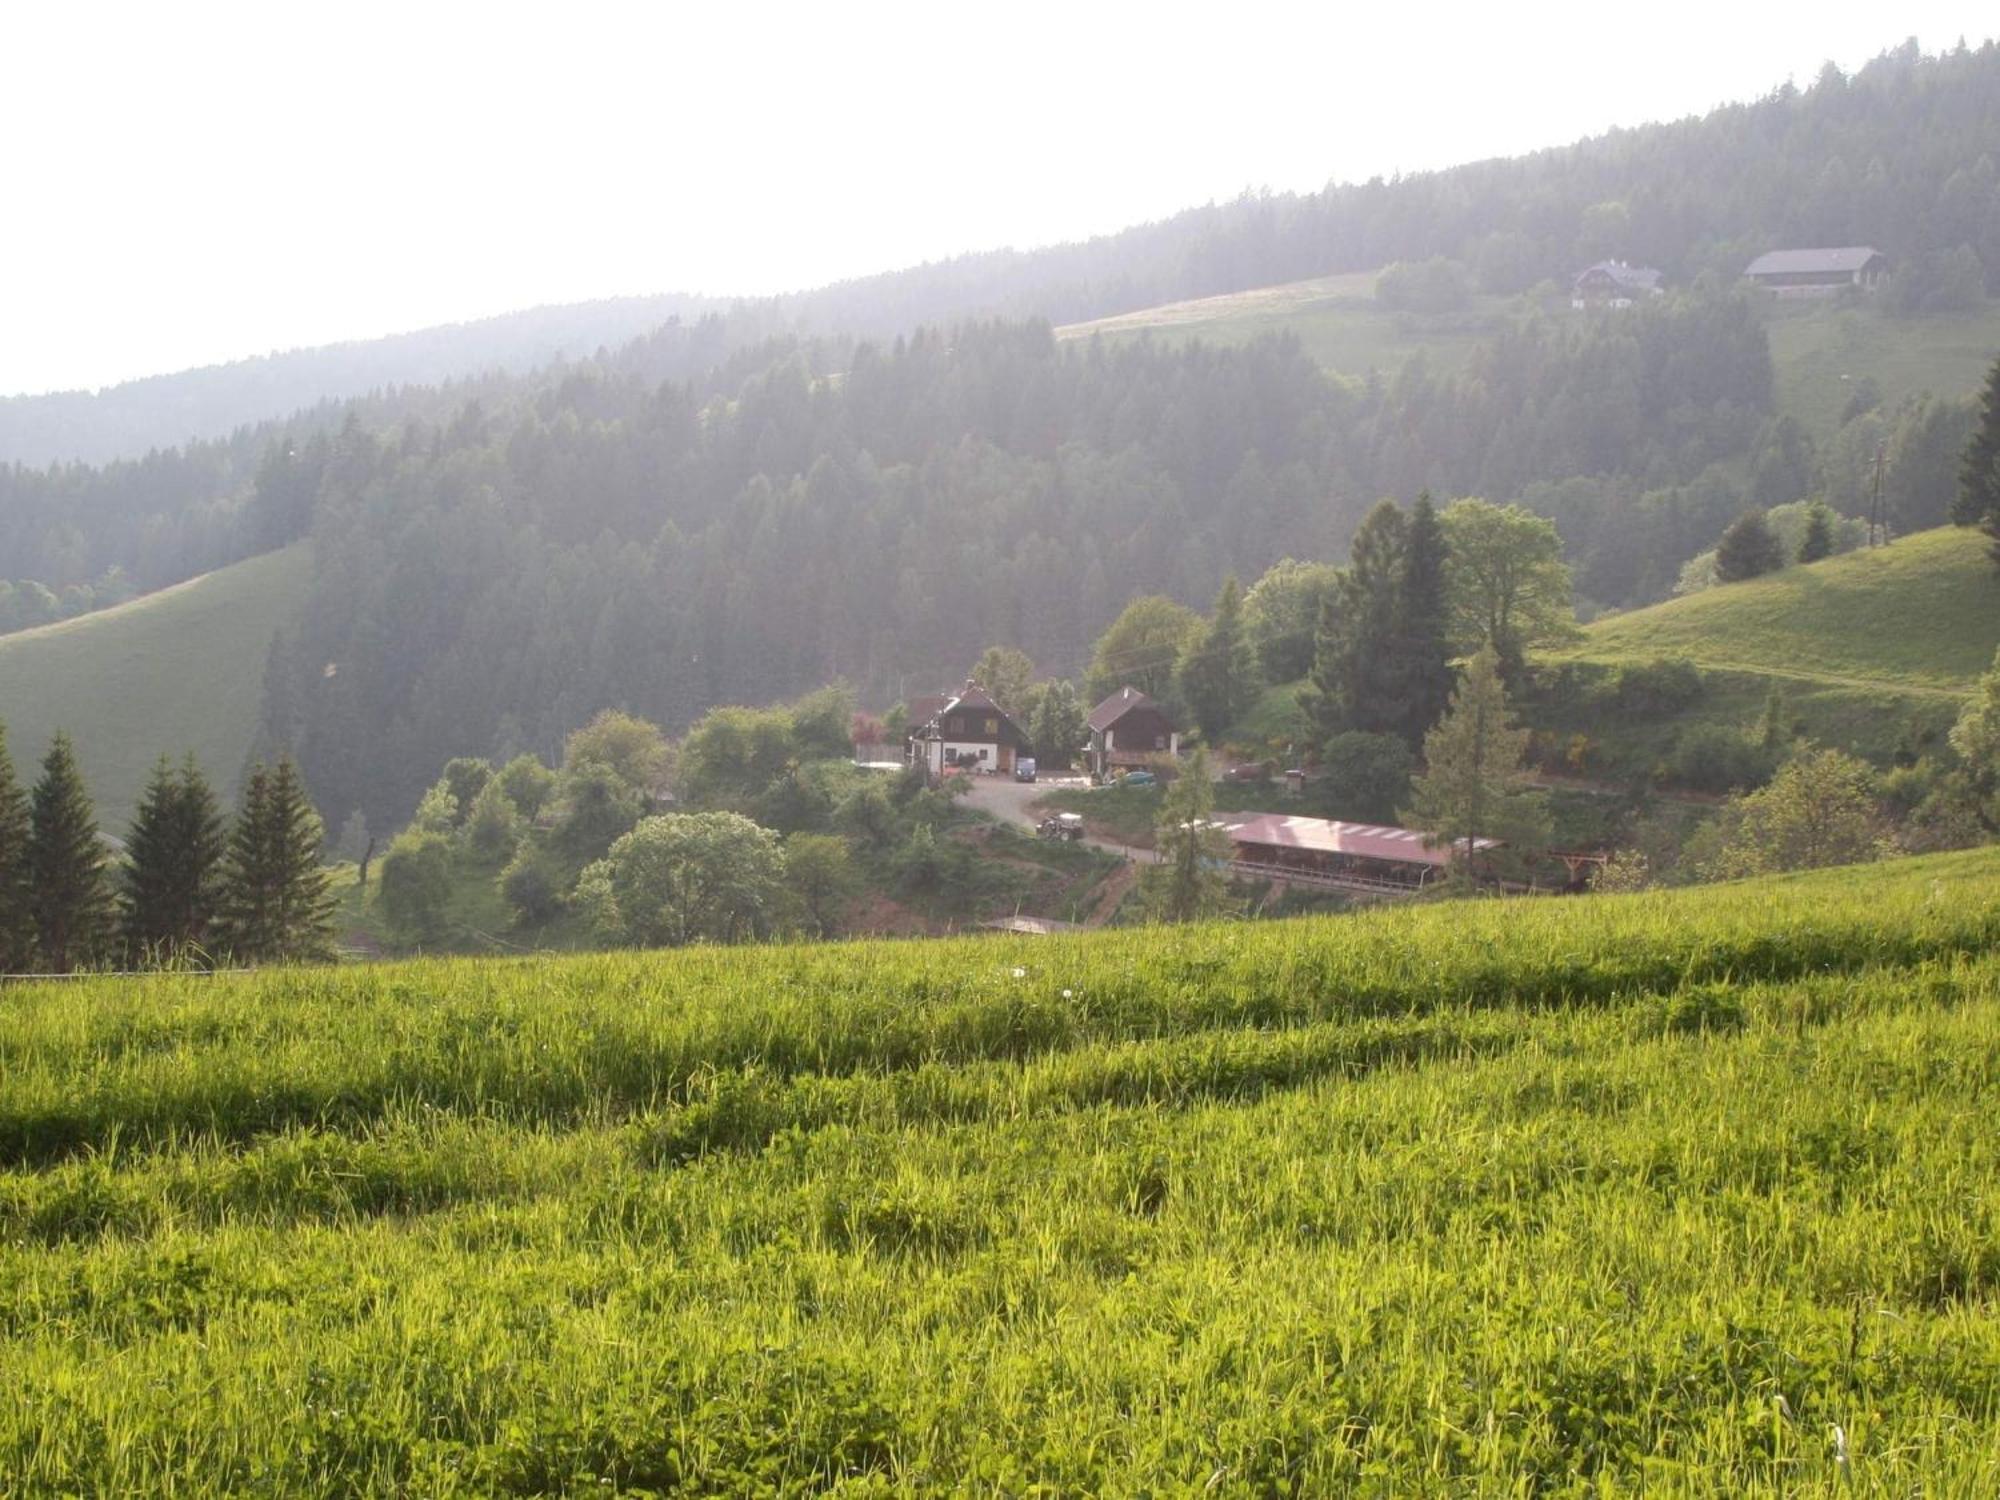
(1613, 283)
(1817, 273)
(1128, 729)
(969, 730)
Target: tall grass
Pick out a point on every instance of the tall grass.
(1607, 1196)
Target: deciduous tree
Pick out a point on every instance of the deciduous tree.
(1506, 579)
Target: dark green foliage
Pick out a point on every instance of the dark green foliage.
(70, 893)
(1217, 674)
(1978, 501)
(528, 784)
(1365, 778)
(1059, 726)
(465, 777)
(1436, 285)
(1717, 758)
(1355, 682)
(172, 877)
(1656, 689)
(1281, 613)
(1420, 648)
(594, 805)
(17, 922)
(1189, 882)
(1818, 540)
(415, 885)
(532, 886)
(1473, 785)
(1748, 549)
(276, 904)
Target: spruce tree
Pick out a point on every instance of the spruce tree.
(1422, 651)
(1355, 678)
(174, 856)
(1818, 539)
(1473, 786)
(1218, 671)
(70, 894)
(277, 906)
(1748, 549)
(1978, 500)
(1188, 881)
(17, 922)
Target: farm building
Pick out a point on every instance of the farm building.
(1344, 856)
(970, 731)
(1817, 273)
(1128, 729)
(1613, 283)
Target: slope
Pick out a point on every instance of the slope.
(1625, 1194)
(1921, 617)
(176, 671)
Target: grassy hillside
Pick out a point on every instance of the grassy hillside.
(1820, 350)
(1920, 616)
(1336, 318)
(176, 671)
(1626, 1194)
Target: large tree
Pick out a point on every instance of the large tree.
(1748, 549)
(1507, 581)
(1978, 501)
(1818, 810)
(277, 903)
(70, 890)
(1141, 649)
(17, 921)
(173, 863)
(1420, 648)
(1007, 675)
(687, 877)
(1218, 670)
(1355, 682)
(1976, 738)
(1281, 615)
(1059, 727)
(1473, 786)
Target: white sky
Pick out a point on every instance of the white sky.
(193, 182)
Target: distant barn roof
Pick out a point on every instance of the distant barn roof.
(1843, 260)
(1638, 278)
(1320, 836)
(1126, 700)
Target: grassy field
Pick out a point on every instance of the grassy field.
(175, 671)
(1620, 1195)
(1921, 616)
(1820, 350)
(1336, 318)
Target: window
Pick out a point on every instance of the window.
(992, 726)
(982, 752)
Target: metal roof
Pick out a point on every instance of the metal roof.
(1639, 278)
(1846, 259)
(1404, 846)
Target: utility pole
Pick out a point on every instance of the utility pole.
(1878, 520)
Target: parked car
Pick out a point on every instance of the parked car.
(1138, 778)
(1024, 768)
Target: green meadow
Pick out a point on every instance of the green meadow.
(1685, 1193)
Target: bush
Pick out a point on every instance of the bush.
(493, 825)
(1716, 758)
(1658, 688)
(531, 887)
(1437, 285)
(415, 885)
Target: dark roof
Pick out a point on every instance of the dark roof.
(921, 709)
(974, 699)
(1403, 846)
(1638, 278)
(1845, 260)
(1126, 700)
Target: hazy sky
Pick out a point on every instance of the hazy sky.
(186, 183)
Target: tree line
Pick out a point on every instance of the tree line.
(189, 887)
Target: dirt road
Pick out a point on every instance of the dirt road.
(1012, 801)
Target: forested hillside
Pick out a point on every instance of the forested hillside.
(1901, 155)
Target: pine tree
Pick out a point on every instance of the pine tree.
(1818, 539)
(277, 906)
(1978, 499)
(1355, 670)
(1218, 671)
(70, 894)
(173, 871)
(1748, 549)
(17, 922)
(1422, 651)
(1472, 787)
(1189, 881)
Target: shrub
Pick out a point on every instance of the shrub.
(415, 885)
(531, 887)
(1716, 758)
(1657, 688)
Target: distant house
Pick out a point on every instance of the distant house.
(1127, 729)
(970, 731)
(1817, 273)
(1613, 283)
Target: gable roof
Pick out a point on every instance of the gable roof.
(1844, 259)
(1638, 278)
(1126, 700)
(975, 699)
(924, 707)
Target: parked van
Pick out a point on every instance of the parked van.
(1024, 768)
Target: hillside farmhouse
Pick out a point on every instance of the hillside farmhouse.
(1613, 283)
(968, 731)
(1127, 729)
(1817, 273)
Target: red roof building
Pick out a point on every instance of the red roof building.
(1322, 851)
